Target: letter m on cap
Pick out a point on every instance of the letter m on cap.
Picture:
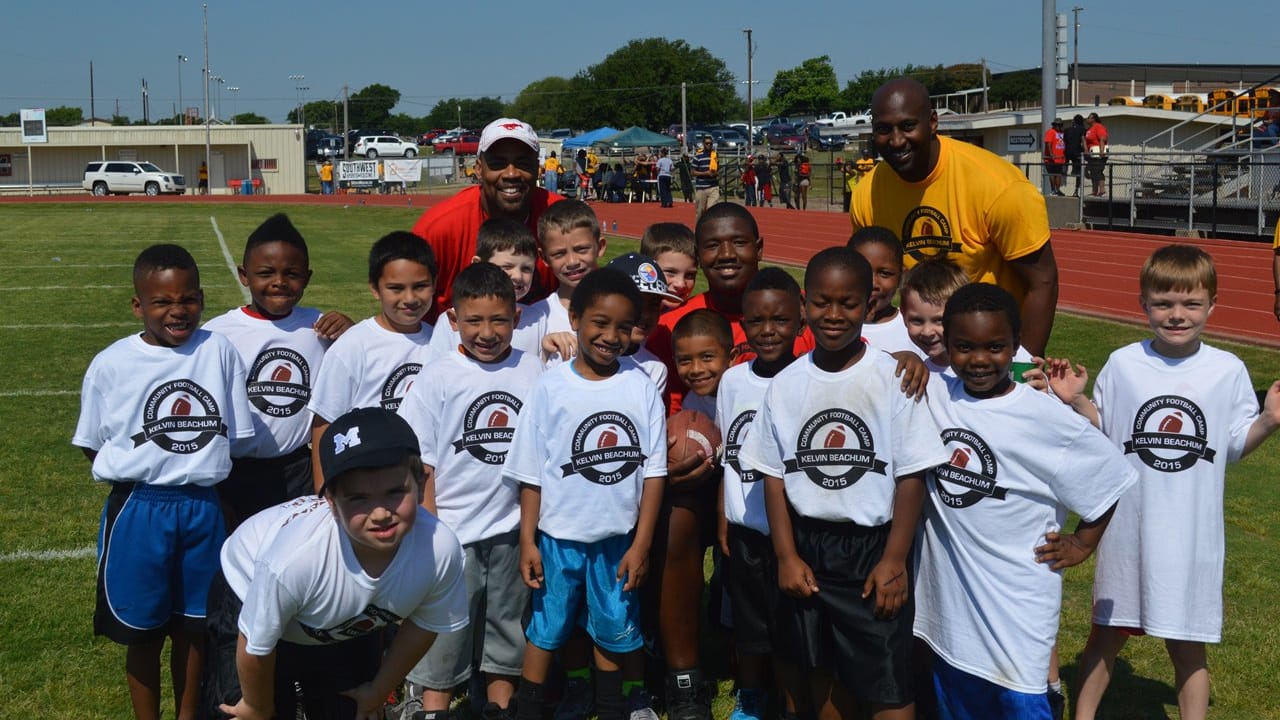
(343, 441)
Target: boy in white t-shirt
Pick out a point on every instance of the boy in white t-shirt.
(644, 272)
(987, 602)
(843, 454)
(161, 414)
(513, 248)
(282, 345)
(375, 362)
(883, 328)
(1181, 411)
(308, 586)
(590, 454)
(465, 411)
(702, 346)
(571, 248)
(771, 321)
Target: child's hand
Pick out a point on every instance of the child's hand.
(564, 344)
(531, 565)
(888, 580)
(369, 706)
(722, 533)
(634, 568)
(795, 578)
(332, 324)
(1271, 404)
(244, 711)
(914, 374)
(689, 471)
(1065, 381)
(1063, 551)
(1035, 378)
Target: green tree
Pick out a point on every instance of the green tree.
(471, 112)
(249, 118)
(857, 92)
(545, 103)
(1012, 88)
(639, 84)
(810, 87)
(10, 120)
(325, 114)
(370, 106)
(63, 116)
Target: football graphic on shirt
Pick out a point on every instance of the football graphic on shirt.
(734, 439)
(487, 427)
(180, 406)
(926, 233)
(1170, 434)
(605, 449)
(279, 383)
(398, 384)
(969, 477)
(180, 417)
(834, 449)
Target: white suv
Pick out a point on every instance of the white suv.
(122, 177)
(371, 146)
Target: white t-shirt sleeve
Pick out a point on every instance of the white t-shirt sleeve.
(268, 607)
(527, 453)
(763, 449)
(239, 415)
(917, 443)
(444, 608)
(1090, 455)
(421, 409)
(333, 392)
(91, 422)
(655, 464)
(1245, 403)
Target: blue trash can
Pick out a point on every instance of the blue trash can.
(246, 186)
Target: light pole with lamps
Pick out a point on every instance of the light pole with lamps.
(217, 101)
(234, 90)
(297, 79)
(1075, 72)
(182, 112)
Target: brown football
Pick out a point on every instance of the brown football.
(690, 432)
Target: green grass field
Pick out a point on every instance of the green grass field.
(65, 288)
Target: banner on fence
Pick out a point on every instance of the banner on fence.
(402, 171)
(355, 170)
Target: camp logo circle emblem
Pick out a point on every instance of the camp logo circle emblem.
(735, 438)
(180, 417)
(279, 382)
(605, 449)
(1170, 434)
(487, 427)
(970, 475)
(926, 233)
(834, 450)
(397, 385)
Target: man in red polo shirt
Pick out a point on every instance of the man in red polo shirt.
(508, 167)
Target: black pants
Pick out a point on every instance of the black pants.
(664, 190)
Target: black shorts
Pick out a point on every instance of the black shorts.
(307, 676)
(256, 484)
(752, 584)
(1054, 168)
(836, 629)
(1095, 167)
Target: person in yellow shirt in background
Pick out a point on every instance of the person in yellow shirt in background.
(595, 178)
(326, 177)
(551, 173)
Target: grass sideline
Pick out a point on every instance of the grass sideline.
(73, 261)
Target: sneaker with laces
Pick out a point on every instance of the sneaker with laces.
(431, 714)
(640, 706)
(749, 704)
(686, 698)
(575, 700)
(491, 711)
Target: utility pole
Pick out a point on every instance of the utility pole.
(684, 121)
(984, 85)
(93, 119)
(181, 59)
(1048, 71)
(346, 123)
(146, 106)
(297, 79)
(751, 108)
(208, 155)
(1075, 63)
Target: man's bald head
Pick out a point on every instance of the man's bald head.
(903, 128)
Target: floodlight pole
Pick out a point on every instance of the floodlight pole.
(751, 108)
(181, 59)
(1075, 70)
(208, 155)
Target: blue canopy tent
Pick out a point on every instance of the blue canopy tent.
(587, 139)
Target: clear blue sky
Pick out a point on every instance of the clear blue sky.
(434, 50)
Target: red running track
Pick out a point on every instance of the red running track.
(1098, 270)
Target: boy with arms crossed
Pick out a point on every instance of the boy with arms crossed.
(843, 457)
(590, 455)
(309, 584)
(282, 345)
(1180, 410)
(160, 414)
(465, 411)
(988, 586)
(374, 363)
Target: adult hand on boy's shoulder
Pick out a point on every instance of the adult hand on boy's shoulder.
(244, 711)
(914, 374)
(888, 580)
(634, 567)
(332, 324)
(531, 565)
(369, 704)
(1063, 551)
(795, 577)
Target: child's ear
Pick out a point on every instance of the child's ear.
(244, 276)
(136, 304)
(453, 319)
(603, 244)
(475, 259)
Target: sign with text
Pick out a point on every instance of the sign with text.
(33, 126)
(402, 171)
(1022, 141)
(349, 170)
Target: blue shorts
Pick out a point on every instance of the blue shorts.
(572, 570)
(962, 696)
(157, 554)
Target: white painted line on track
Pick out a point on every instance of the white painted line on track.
(47, 555)
(37, 393)
(66, 287)
(231, 263)
(64, 265)
(68, 326)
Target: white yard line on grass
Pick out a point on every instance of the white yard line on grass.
(231, 263)
(56, 264)
(66, 287)
(37, 393)
(46, 555)
(67, 326)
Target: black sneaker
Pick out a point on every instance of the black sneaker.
(686, 698)
(432, 715)
(491, 711)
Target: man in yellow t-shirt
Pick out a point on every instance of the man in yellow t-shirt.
(326, 177)
(949, 199)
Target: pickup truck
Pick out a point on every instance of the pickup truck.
(843, 120)
(463, 145)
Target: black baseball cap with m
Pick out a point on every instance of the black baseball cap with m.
(364, 438)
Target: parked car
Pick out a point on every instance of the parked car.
(321, 146)
(786, 136)
(384, 146)
(120, 177)
(818, 141)
(426, 137)
(463, 145)
(353, 136)
(729, 139)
